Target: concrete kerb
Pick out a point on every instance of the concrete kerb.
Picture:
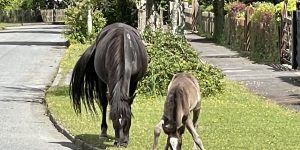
(79, 143)
(55, 78)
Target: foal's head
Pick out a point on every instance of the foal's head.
(172, 127)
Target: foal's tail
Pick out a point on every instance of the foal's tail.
(84, 86)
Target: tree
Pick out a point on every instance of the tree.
(219, 19)
(4, 3)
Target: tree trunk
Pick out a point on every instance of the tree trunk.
(174, 16)
(150, 12)
(219, 19)
(141, 6)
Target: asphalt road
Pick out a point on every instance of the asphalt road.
(275, 82)
(29, 57)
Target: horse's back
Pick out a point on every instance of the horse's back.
(189, 87)
(118, 45)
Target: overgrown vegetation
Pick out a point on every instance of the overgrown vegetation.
(76, 19)
(71, 56)
(264, 34)
(234, 119)
(261, 42)
(170, 54)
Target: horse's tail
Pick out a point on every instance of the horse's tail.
(121, 78)
(83, 85)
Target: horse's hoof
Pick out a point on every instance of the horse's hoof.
(116, 143)
(103, 136)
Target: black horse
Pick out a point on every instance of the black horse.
(117, 61)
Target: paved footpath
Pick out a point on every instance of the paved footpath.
(29, 57)
(274, 82)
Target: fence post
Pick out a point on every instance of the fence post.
(248, 13)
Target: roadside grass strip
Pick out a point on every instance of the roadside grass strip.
(234, 119)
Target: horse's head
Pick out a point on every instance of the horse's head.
(121, 120)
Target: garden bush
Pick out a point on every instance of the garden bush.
(290, 7)
(170, 54)
(264, 34)
(76, 19)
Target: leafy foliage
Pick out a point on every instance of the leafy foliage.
(290, 6)
(170, 54)
(264, 12)
(236, 9)
(10, 4)
(76, 19)
(118, 11)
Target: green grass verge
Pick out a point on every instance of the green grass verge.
(3, 25)
(234, 119)
(70, 57)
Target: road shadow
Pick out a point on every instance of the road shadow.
(279, 67)
(294, 80)
(67, 144)
(28, 43)
(94, 140)
(201, 40)
(22, 94)
(31, 31)
(25, 27)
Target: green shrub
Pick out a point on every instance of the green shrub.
(264, 34)
(236, 9)
(76, 19)
(290, 7)
(170, 54)
(264, 12)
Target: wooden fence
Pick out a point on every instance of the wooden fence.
(14, 16)
(254, 38)
(46, 15)
(205, 20)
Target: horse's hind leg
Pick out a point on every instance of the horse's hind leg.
(104, 103)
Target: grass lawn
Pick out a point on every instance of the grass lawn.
(235, 119)
(3, 25)
(70, 57)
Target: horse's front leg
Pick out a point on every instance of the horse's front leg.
(192, 130)
(157, 130)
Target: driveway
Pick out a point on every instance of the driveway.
(29, 57)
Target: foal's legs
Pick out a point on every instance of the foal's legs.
(190, 126)
(157, 130)
(195, 119)
(104, 103)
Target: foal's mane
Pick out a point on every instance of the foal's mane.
(170, 108)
